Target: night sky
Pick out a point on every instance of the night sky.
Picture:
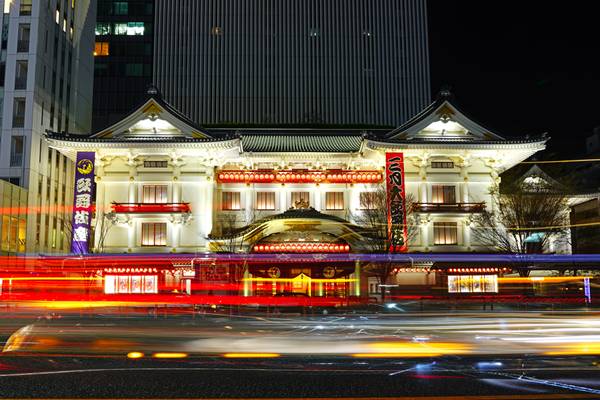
(519, 70)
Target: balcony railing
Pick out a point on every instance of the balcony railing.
(448, 207)
(16, 160)
(151, 208)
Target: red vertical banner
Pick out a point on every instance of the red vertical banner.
(396, 202)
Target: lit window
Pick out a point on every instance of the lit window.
(101, 49)
(442, 164)
(102, 28)
(472, 283)
(154, 234)
(154, 194)
(445, 233)
(231, 201)
(216, 31)
(443, 194)
(265, 200)
(57, 16)
(64, 25)
(300, 199)
(129, 28)
(334, 200)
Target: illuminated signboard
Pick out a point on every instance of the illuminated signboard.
(396, 202)
(472, 283)
(83, 202)
(130, 284)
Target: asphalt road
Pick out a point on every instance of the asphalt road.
(95, 377)
(88, 358)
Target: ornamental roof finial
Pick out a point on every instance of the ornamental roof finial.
(445, 91)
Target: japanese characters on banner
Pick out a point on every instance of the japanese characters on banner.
(396, 202)
(83, 201)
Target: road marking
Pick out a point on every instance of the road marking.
(547, 382)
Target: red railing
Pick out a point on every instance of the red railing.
(448, 207)
(141, 208)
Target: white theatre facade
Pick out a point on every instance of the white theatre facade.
(166, 185)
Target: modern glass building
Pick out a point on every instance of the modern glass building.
(123, 58)
(265, 62)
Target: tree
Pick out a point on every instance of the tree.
(373, 216)
(228, 230)
(526, 218)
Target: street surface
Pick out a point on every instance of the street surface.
(542, 355)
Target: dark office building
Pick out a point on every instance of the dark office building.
(123, 58)
(244, 62)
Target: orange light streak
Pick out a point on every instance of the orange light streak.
(169, 355)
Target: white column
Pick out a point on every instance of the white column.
(424, 222)
(100, 208)
(423, 184)
(317, 197)
(467, 234)
(283, 198)
(175, 228)
(464, 173)
(132, 195)
(132, 234)
(249, 203)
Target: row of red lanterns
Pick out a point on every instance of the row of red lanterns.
(130, 270)
(476, 269)
(302, 248)
(265, 177)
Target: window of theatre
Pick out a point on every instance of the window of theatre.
(443, 194)
(442, 164)
(231, 201)
(300, 199)
(265, 201)
(334, 201)
(156, 194)
(445, 233)
(154, 234)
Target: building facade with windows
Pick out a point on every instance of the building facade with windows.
(251, 62)
(123, 58)
(164, 184)
(45, 83)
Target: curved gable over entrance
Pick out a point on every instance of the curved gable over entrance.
(296, 230)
